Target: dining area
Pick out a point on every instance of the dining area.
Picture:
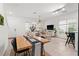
(30, 45)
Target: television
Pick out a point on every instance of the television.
(50, 27)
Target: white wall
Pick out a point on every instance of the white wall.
(50, 21)
(3, 33)
(16, 23)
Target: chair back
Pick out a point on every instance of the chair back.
(14, 44)
(72, 35)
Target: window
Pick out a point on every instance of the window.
(72, 25)
(67, 26)
(62, 26)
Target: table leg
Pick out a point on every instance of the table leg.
(42, 49)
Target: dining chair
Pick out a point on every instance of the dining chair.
(26, 51)
(70, 38)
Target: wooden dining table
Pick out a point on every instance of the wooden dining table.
(22, 43)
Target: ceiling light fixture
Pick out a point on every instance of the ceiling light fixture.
(59, 11)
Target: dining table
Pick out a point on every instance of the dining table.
(22, 43)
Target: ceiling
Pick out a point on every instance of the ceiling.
(33, 10)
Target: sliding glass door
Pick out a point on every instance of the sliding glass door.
(67, 26)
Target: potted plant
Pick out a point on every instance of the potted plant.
(1, 20)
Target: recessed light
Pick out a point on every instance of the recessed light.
(56, 12)
(63, 9)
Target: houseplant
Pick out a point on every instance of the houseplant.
(1, 20)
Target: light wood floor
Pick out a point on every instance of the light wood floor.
(56, 47)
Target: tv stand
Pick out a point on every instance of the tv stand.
(51, 33)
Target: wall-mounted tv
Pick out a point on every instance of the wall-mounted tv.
(50, 27)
